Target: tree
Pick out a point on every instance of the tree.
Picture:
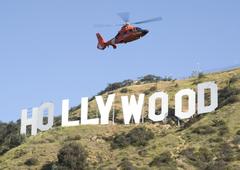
(72, 156)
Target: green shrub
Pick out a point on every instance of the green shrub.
(147, 92)
(189, 153)
(10, 136)
(138, 136)
(234, 79)
(72, 156)
(228, 95)
(204, 155)
(199, 158)
(152, 78)
(120, 141)
(164, 159)
(149, 78)
(142, 152)
(216, 165)
(18, 153)
(71, 138)
(215, 140)
(49, 166)
(116, 85)
(31, 162)
(153, 89)
(126, 165)
(230, 100)
(225, 152)
(200, 75)
(150, 90)
(190, 122)
(218, 123)
(221, 126)
(124, 90)
(236, 140)
(203, 130)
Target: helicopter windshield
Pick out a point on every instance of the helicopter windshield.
(117, 35)
(138, 29)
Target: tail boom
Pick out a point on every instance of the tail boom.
(102, 44)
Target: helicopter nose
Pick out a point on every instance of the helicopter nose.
(144, 32)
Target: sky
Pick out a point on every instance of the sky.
(48, 48)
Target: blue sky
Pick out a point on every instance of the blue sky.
(48, 48)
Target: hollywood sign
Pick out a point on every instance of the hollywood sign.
(131, 108)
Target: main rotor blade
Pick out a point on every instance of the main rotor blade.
(124, 16)
(106, 25)
(148, 20)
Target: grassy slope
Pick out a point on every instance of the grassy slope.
(45, 145)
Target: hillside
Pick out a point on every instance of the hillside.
(209, 141)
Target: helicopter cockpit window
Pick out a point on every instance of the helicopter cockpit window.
(117, 35)
(138, 29)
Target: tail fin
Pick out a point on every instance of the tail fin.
(101, 43)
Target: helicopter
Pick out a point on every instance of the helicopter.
(127, 33)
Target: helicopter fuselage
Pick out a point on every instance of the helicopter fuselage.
(127, 34)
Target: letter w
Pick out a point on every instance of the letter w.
(133, 108)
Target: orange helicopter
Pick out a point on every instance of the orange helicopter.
(126, 34)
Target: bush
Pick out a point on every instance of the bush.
(228, 95)
(31, 162)
(164, 159)
(238, 132)
(225, 152)
(120, 141)
(203, 130)
(138, 136)
(149, 78)
(71, 138)
(218, 123)
(142, 152)
(204, 155)
(200, 75)
(10, 136)
(150, 90)
(200, 158)
(116, 85)
(152, 78)
(236, 140)
(189, 153)
(221, 125)
(234, 79)
(230, 100)
(124, 90)
(126, 165)
(49, 166)
(215, 140)
(72, 156)
(218, 164)
(147, 92)
(20, 152)
(153, 89)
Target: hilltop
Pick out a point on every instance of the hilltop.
(209, 141)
